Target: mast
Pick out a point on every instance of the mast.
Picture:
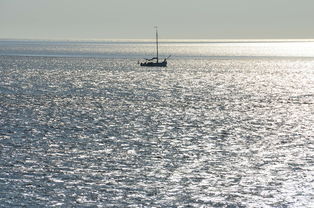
(157, 42)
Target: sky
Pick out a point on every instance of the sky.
(176, 19)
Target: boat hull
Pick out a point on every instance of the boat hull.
(154, 64)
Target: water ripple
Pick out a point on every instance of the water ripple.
(100, 132)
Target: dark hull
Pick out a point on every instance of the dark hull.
(154, 64)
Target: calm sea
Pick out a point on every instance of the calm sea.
(226, 124)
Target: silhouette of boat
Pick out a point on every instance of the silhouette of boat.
(154, 62)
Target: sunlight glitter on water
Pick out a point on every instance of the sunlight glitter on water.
(145, 48)
(205, 131)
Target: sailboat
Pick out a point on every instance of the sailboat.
(154, 62)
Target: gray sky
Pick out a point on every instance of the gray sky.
(206, 19)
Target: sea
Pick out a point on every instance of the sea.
(228, 123)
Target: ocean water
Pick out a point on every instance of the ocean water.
(226, 124)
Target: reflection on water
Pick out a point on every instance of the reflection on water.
(146, 48)
(104, 132)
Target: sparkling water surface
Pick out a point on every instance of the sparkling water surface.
(224, 125)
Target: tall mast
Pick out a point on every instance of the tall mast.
(157, 41)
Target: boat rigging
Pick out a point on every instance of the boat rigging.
(151, 62)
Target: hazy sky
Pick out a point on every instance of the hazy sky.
(208, 19)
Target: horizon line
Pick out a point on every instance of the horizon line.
(163, 39)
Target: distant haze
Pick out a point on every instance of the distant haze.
(125, 19)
